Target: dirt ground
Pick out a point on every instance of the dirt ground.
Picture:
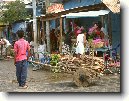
(46, 81)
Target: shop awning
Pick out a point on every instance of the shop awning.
(95, 7)
(86, 14)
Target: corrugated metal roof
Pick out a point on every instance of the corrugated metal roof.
(113, 5)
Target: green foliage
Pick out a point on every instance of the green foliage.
(15, 11)
(54, 59)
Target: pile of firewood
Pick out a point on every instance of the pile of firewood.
(84, 70)
(71, 64)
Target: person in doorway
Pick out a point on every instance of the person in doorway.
(53, 40)
(58, 39)
(68, 38)
(20, 58)
(81, 39)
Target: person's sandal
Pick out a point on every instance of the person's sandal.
(23, 87)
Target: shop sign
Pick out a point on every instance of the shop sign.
(55, 8)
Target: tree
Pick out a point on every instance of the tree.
(15, 11)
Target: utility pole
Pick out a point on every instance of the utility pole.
(47, 2)
(34, 25)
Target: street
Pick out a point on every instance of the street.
(46, 81)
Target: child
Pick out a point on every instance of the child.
(20, 59)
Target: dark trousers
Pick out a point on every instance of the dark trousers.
(21, 72)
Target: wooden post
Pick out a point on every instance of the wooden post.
(92, 55)
(110, 28)
(64, 26)
(105, 24)
(34, 25)
(61, 31)
(48, 28)
(1, 49)
(38, 31)
(102, 20)
(42, 32)
(48, 35)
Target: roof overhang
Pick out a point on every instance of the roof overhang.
(87, 14)
(95, 7)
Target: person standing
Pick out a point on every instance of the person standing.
(81, 39)
(20, 58)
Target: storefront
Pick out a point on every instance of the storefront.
(65, 17)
